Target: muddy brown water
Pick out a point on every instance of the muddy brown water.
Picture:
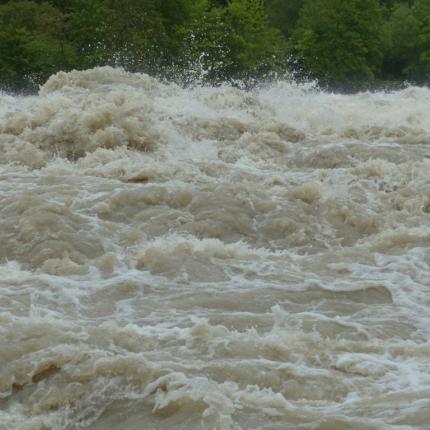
(213, 258)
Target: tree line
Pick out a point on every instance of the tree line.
(341, 43)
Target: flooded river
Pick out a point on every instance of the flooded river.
(213, 258)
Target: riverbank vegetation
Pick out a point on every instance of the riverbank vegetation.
(341, 43)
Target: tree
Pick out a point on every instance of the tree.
(407, 54)
(14, 62)
(144, 35)
(88, 30)
(419, 71)
(339, 41)
(401, 29)
(33, 44)
(284, 14)
(233, 42)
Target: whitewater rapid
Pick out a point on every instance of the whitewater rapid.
(213, 258)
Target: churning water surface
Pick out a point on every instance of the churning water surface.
(213, 258)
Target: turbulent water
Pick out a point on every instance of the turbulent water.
(213, 258)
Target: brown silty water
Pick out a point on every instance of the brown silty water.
(213, 258)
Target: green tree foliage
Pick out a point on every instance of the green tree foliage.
(33, 44)
(283, 14)
(136, 34)
(407, 54)
(15, 63)
(342, 43)
(420, 69)
(144, 35)
(339, 41)
(233, 43)
(401, 32)
(87, 26)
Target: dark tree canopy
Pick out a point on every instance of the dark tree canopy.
(342, 43)
(339, 40)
